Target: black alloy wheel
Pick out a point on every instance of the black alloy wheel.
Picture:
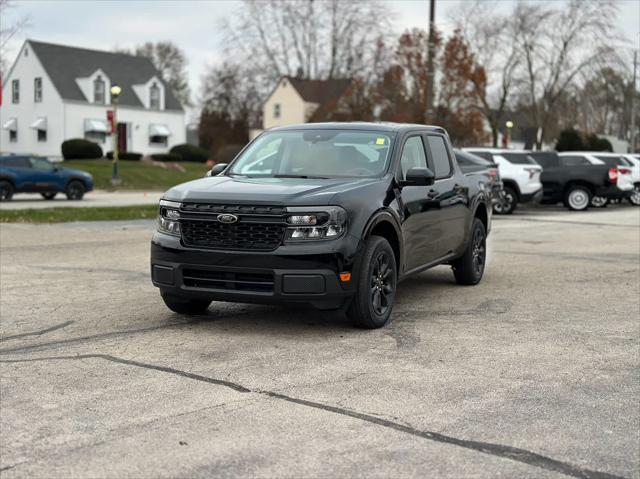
(469, 268)
(372, 303)
(6, 190)
(75, 190)
(381, 287)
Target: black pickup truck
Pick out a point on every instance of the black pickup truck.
(331, 214)
(572, 183)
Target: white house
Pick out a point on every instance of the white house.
(295, 100)
(53, 93)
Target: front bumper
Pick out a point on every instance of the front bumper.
(297, 273)
(534, 197)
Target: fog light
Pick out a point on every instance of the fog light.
(299, 233)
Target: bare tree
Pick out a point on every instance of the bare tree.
(558, 45)
(306, 38)
(8, 30)
(492, 38)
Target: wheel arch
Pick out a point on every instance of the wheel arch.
(383, 223)
(514, 186)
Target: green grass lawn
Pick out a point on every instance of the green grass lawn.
(61, 215)
(137, 175)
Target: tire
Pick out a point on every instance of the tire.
(372, 303)
(6, 190)
(599, 202)
(507, 204)
(634, 199)
(577, 198)
(49, 196)
(182, 305)
(75, 190)
(469, 268)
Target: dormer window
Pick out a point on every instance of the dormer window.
(99, 91)
(154, 97)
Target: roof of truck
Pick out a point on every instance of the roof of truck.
(360, 125)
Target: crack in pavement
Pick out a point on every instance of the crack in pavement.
(37, 333)
(110, 334)
(506, 452)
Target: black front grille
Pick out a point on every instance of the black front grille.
(228, 280)
(257, 227)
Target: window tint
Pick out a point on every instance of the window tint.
(574, 160)
(546, 159)
(15, 162)
(613, 160)
(518, 158)
(41, 164)
(412, 155)
(467, 159)
(439, 156)
(482, 154)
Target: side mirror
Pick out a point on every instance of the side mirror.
(217, 169)
(418, 177)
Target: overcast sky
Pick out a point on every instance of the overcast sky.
(193, 25)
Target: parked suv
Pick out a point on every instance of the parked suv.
(520, 176)
(620, 173)
(30, 174)
(576, 182)
(634, 159)
(331, 214)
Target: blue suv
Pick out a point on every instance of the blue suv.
(31, 174)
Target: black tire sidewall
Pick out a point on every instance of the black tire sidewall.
(463, 268)
(361, 310)
(8, 187)
(512, 206)
(73, 183)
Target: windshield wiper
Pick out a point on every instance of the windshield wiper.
(302, 176)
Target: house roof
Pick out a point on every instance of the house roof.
(320, 91)
(64, 64)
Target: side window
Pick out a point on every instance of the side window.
(413, 155)
(15, 91)
(440, 156)
(41, 164)
(574, 160)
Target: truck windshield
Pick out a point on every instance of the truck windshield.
(315, 154)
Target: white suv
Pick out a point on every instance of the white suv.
(623, 166)
(634, 159)
(520, 175)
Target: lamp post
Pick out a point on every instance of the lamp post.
(115, 94)
(509, 125)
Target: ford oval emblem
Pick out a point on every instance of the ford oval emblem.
(227, 218)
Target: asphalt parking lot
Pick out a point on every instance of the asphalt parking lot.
(532, 373)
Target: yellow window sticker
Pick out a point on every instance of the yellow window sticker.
(379, 141)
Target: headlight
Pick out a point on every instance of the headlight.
(315, 223)
(168, 218)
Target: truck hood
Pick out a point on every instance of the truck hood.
(273, 191)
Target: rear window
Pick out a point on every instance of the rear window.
(546, 159)
(574, 160)
(518, 158)
(613, 160)
(467, 159)
(482, 154)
